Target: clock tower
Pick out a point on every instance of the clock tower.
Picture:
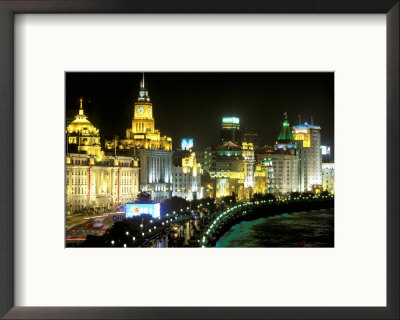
(143, 121)
(153, 150)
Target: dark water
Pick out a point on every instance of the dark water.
(285, 230)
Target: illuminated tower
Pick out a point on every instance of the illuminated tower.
(153, 150)
(308, 137)
(143, 121)
(230, 130)
(82, 136)
(285, 138)
(285, 161)
(142, 134)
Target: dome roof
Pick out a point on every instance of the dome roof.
(81, 124)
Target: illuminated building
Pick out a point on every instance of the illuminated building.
(285, 139)
(326, 153)
(186, 179)
(83, 137)
(308, 137)
(153, 150)
(231, 170)
(230, 130)
(286, 167)
(187, 144)
(328, 177)
(95, 181)
(142, 134)
(285, 161)
(99, 185)
(263, 175)
(156, 173)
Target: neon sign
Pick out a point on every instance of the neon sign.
(232, 120)
(137, 209)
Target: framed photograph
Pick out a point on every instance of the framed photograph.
(199, 161)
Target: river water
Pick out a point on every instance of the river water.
(306, 228)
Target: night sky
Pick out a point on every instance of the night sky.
(191, 105)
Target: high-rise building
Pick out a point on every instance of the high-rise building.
(230, 130)
(153, 150)
(285, 161)
(156, 172)
(328, 177)
(250, 135)
(308, 138)
(326, 154)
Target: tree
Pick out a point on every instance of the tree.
(144, 196)
(174, 204)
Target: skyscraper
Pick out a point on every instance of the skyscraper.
(308, 138)
(250, 135)
(285, 161)
(230, 130)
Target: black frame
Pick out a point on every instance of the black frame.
(10, 7)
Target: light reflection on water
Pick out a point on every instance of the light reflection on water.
(285, 230)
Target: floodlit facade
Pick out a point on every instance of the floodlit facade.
(101, 185)
(328, 177)
(83, 136)
(153, 150)
(142, 134)
(308, 138)
(156, 172)
(231, 170)
(285, 161)
(95, 181)
(264, 178)
(186, 179)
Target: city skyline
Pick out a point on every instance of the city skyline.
(128, 185)
(187, 103)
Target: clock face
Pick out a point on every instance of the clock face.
(149, 111)
(140, 111)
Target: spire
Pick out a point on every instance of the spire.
(80, 107)
(286, 135)
(143, 92)
(142, 85)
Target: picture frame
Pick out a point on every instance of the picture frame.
(9, 8)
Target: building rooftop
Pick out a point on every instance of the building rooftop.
(306, 125)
